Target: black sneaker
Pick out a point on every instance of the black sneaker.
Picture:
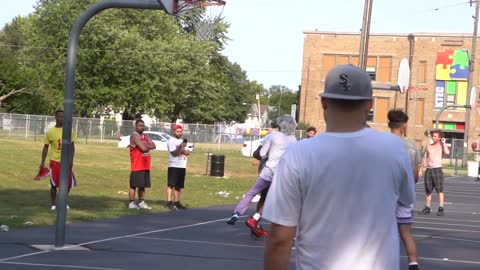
(425, 211)
(441, 211)
(180, 206)
(413, 267)
(171, 206)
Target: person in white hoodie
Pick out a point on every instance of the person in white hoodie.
(273, 146)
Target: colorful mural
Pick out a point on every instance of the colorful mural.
(451, 76)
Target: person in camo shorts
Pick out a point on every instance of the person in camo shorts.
(434, 174)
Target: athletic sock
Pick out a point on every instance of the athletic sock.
(257, 216)
(441, 205)
(427, 205)
(413, 263)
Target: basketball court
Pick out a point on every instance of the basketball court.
(200, 239)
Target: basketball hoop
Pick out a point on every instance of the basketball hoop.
(417, 88)
(201, 15)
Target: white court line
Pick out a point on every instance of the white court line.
(447, 238)
(114, 238)
(448, 224)
(450, 230)
(464, 220)
(61, 266)
(449, 260)
(196, 242)
(452, 203)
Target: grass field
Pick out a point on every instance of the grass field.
(102, 171)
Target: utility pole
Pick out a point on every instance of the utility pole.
(367, 15)
(471, 69)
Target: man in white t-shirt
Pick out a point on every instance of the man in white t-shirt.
(337, 193)
(177, 166)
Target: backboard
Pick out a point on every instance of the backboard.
(403, 79)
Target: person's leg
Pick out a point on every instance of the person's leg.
(131, 194)
(259, 185)
(409, 243)
(428, 183)
(177, 192)
(439, 181)
(53, 196)
(170, 186)
(141, 194)
(179, 185)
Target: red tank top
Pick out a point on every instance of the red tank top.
(139, 161)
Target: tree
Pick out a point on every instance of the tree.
(281, 98)
(134, 61)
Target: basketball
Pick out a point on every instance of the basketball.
(474, 146)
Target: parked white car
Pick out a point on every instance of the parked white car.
(160, 140)
(249, 146)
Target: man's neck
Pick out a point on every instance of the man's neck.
(397, 132)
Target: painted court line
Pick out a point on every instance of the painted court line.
(61, 266)
(449, 230)
(449, 260)
(197, 242)
(448, 224)
(114, 238)
(447, 219)
(447, 238)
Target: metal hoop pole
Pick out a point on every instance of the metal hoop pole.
(70, 97)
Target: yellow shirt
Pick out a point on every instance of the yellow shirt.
(54, 139)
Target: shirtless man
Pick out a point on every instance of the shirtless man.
(434, 175)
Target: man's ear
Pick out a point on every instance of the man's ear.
(370, 104)
(324, 103)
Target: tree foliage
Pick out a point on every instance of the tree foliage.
(132, 61)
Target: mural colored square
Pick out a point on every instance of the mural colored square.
(452, 65)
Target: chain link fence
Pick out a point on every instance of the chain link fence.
(34, 127)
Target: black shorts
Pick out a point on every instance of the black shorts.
(434, 180)
(140, 179)
(176, 177)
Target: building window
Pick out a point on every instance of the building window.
(378, 67)
(384, 69)
(419, 111)
(381, 107)
(422, 72)
(372, 71)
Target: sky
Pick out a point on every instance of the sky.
(267, 35)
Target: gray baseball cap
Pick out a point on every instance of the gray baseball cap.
(347, 82)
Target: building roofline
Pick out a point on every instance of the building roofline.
(416, 34)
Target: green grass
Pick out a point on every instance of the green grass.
(102, 171)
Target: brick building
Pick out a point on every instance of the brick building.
(439, 67)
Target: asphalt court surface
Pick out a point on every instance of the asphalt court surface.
(200, 239)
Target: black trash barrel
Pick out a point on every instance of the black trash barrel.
(217, 165)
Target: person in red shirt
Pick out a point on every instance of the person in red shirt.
(140, 146)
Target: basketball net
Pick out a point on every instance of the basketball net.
(203, 15)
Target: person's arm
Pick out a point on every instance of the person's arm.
(135, 138)
(445, 149)
(406, 194)
(150, 144)
(177, 149)
(278, 247)
(44, 155)
(266, 143)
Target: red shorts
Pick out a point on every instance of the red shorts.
(55, 175)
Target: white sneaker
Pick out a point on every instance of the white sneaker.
(53, 207)
(68, 207)
(132, 205)
(143, 205)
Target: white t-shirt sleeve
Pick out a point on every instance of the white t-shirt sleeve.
(284, 201)
(406, 195)
(266, 143)
(171, 145)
